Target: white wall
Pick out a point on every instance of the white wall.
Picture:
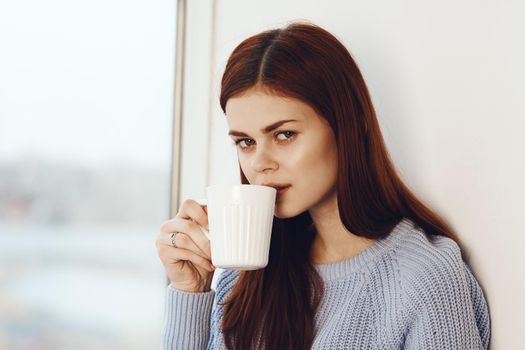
(445, 78)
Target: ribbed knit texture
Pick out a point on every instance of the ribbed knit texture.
(406, 291)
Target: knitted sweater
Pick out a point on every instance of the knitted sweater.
(406, 291)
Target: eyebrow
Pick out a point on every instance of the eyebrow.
(264, 130)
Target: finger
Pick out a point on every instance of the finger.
(180, 254)
(191, 229)
(182, 240)
(190, 209)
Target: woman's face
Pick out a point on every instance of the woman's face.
(300, 152)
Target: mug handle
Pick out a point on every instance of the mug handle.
(203, 202)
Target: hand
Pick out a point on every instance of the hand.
(188, 266)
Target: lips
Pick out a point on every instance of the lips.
(281, 188)
(276, 185)
(281, 191)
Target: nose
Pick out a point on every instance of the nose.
(263, 161)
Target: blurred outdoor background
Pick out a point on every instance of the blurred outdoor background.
(86, 107)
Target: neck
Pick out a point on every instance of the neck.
(333, 241)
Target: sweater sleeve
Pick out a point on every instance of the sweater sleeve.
(193, 320)
(187, 320)
(447, 308)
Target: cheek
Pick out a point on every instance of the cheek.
(246, 169)
(306, 159)
(321, 164)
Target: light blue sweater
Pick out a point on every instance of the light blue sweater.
(406, 291)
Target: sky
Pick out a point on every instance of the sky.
(88, 81)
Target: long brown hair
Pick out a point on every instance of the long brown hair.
(274, 308)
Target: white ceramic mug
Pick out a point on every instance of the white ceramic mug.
(240, 219)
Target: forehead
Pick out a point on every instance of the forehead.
(255, 109)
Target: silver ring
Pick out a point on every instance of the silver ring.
(173, 239)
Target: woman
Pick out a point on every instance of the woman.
(356, 260)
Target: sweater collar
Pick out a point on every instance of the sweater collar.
(333, 271)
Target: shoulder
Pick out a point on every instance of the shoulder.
(439, 288)
(433, 273)
(429, 263)
(425, 258)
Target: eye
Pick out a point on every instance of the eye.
(289, 135)
(245, 144)
(245, 141)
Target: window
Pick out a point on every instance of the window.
(86, 94)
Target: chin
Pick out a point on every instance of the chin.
(282, 216)
(282, 212)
